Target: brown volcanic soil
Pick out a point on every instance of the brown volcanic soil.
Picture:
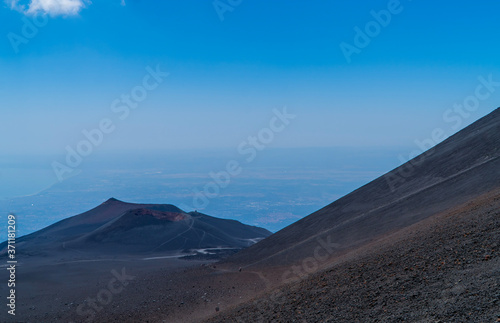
(443, 269)
(406, 253)
(161, 290)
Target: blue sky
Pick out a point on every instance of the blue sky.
(226, 76)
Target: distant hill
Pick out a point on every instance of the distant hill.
(120, 228)
(417, 244)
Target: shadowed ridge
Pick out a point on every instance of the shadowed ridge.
(112, 200)
(146, 214)
(146, 230)
(117, 227)
(459, 169)
(238, 229)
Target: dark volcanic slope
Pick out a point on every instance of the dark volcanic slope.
(146, 230)
(117, 227)
(443, 269)
(462, 167)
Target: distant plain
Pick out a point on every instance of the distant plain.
(276, 189)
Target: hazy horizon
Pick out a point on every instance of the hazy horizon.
(186, 90)
(272, 191)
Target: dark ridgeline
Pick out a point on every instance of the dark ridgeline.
(119, 228)
(464, 166)
(420, 244)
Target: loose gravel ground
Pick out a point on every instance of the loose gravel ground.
(443, 269)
